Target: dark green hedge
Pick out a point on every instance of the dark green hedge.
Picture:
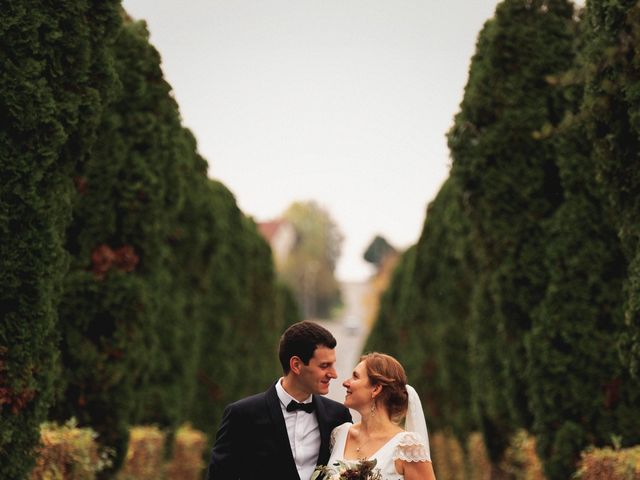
(612, 104)
(171, 307)
(521, 295)
(56, 76)
(507, 171)
(118, 289)
(423, 317)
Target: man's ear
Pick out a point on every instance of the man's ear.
(295, 364)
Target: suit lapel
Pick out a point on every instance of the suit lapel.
(323, 454)
(281, 436)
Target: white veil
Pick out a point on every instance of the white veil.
(415, 421)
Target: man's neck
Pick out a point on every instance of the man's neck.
(292, 388)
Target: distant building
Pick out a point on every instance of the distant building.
(282, 237)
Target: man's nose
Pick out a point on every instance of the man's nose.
(333, 373)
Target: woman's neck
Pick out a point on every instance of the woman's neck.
(380, 423)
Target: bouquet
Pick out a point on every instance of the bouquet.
(363, 470)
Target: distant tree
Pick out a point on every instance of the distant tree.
(378, 250)
(310, 268)
(57, 76)
(392, 328)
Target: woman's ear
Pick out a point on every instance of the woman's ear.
(376, 391)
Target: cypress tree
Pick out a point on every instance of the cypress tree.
(612, 103)
(510, 185)
(391, 329)
(117, 304)
(443, 278)
(56, 77)
(580, 392)
(243, 312)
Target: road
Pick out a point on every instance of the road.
(350, 332)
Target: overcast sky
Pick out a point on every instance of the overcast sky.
(345, 102)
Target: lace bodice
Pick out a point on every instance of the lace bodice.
(407, 446)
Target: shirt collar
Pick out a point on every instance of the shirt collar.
(285, 398)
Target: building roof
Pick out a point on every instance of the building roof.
(269, 229)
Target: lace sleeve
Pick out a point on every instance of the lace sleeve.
(412, 448)
(332, 440)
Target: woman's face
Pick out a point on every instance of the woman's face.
(359, 389)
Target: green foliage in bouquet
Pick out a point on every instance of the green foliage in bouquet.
(56, 78)
(506, 168)
(612, 106)
(363, 470)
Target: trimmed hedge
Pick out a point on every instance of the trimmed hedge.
(510, 185)
(118, 286)
(516, 303)
(612, 107)
(56, 78)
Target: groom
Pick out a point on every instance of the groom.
(284, 432)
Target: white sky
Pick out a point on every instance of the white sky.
(345, 102)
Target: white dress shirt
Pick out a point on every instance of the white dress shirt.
(303, 431)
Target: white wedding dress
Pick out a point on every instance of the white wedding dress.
(407, 446)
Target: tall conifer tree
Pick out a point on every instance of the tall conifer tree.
(612, 102)
(56, 78)
(510, 185)
(117, 292)
(443, 278)
(580, 391)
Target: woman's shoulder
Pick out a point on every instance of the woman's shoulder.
(342, 427)
(340, 430)
(411, 447)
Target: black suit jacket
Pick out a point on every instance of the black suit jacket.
(252, 441)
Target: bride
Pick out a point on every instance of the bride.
(378, 390)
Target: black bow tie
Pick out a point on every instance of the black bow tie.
(293, 406)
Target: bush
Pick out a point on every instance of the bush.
(447, 455)
(606, 463)
(145, 458)
(186, 462)
(145, 455)
(452, 462)
(68, 453)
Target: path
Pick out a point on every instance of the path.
(350, 332)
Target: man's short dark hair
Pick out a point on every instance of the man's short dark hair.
(301, 340)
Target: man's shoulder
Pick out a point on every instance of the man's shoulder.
(249, 402)
(332, 406)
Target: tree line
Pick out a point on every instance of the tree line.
(519, 306)
(132, 287)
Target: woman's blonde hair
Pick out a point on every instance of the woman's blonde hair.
(386, 371)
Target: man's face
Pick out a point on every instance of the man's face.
(315, 377)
